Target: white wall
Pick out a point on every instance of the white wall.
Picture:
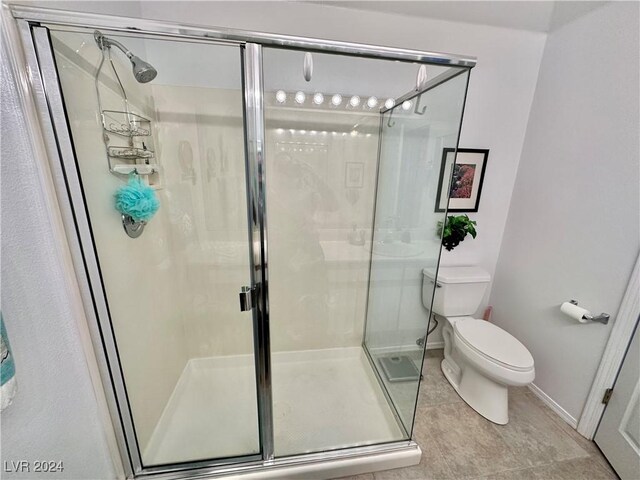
(55, 415)
(573, 227)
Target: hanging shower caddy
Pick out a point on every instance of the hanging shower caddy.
(127, 137)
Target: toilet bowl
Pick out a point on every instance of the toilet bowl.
(481, 360)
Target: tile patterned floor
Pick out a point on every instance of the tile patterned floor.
(457, 443)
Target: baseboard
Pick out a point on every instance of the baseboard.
(553, 405)
(435, 345)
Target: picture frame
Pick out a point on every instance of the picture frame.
(462, 172)
(354, 175)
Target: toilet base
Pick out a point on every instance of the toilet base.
(451, 372)
(490, 399)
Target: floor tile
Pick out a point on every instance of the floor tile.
(520, 474)
(434, 352)
(586, 444)
(519, 391)
(431, 366)
(432, 465)
(534, 436)
(436, 390)
(457, 443)
(575, 469)
(470, 445)
(364, 476)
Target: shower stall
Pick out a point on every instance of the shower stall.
(270, 315)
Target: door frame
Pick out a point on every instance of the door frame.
(44, 107)
(185, 31)
(252, 83)
(613, 356)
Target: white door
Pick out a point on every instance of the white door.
(618, 434)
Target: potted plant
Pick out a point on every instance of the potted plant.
(456, 229)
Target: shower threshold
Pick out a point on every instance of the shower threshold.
(322, 400)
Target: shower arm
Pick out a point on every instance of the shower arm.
(105, 50)
(105, 42)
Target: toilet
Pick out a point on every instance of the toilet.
(481, 360)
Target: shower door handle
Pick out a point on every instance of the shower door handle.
(246, 298)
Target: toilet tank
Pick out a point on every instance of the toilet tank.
(459, 290)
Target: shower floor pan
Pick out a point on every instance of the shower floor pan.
(322, 400)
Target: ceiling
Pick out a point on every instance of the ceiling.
(537, 16)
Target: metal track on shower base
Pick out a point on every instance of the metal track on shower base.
(266, 468)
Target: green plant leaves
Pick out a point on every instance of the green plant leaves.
(456, 229)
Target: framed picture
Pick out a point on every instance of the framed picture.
(466, 171)
(354, 175)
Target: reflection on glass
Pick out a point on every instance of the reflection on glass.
(405, 238)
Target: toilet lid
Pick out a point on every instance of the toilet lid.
(493, 342)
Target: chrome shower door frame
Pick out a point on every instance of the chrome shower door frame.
(46, 92)
(256, 206)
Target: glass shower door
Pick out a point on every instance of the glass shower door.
(322, 135)
(182, 351)
(406, 234)
(349, 181)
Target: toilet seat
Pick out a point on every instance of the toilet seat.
(494, 344)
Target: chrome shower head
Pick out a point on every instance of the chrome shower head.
(142, 71)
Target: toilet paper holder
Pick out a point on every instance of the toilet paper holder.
(602, 318)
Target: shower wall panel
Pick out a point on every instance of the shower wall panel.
(318, 280)
(199, 138)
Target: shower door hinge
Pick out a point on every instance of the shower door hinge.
(247, 299)
(607, 395)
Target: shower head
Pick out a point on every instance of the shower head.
(142, 71)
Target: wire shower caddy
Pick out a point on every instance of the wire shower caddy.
(130, 127)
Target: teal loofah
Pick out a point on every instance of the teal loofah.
(137, 200)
